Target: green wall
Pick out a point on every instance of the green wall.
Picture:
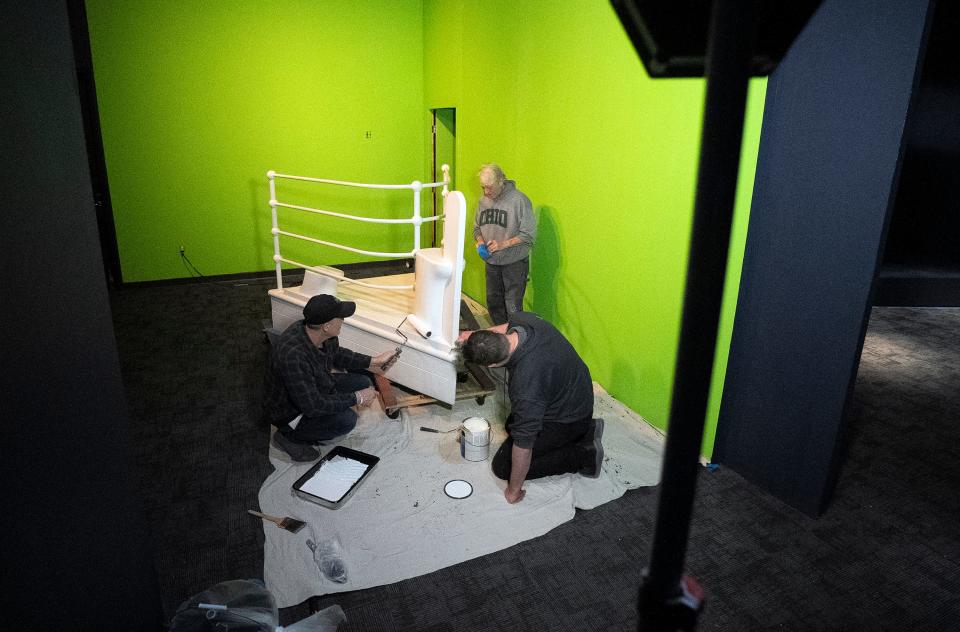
(555, 93)
(198, 100)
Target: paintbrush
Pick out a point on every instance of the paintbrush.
(290, 524)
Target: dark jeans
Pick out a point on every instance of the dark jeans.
(554, 452)
(505, 288)
(315, 429)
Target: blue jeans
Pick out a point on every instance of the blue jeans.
(505, 288)
(325, 427)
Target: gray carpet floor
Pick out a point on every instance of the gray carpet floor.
(885, 555)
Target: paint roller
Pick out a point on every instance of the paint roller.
(422, 328)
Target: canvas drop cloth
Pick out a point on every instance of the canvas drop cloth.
(399, 524)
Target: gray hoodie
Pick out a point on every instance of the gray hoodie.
(510, 215)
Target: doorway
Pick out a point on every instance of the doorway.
(444, 146)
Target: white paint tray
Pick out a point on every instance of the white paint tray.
(335, 477)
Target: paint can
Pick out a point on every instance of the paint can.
(475, 439)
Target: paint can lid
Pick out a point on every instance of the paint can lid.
(457, 489)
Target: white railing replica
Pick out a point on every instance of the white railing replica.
(417, 220)
(437, 270)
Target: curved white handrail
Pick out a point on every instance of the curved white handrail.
(359, 251)
(374, 220)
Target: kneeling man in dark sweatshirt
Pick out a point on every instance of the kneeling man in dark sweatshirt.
(551, 427)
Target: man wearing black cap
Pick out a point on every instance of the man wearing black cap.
(305, 399)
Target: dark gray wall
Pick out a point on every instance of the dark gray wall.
(828, 164)
(922, 256)
(925, 225)
(76, 552)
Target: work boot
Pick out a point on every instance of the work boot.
(593, 448)
(300, 452)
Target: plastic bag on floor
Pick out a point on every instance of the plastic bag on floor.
(245, 606)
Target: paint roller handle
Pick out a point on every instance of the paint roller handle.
(391, 360)
(382, 362)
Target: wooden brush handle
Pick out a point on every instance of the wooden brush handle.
(273, 519)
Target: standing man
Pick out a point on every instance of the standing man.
(305, 398)
(504, 231)
(551, 427)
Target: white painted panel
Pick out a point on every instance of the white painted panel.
(284, 313)
(422, 372)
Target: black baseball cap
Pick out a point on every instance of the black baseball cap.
(323, 308)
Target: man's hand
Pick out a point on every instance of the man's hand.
(514, 496)
(381, 363)
(520, 465)
(366, 397)
(493, 245)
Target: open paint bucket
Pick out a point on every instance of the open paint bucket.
(475, 439)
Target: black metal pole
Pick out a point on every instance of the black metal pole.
(668, 600)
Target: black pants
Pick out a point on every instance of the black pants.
(505, 288)
(316, 429)
(554, 452)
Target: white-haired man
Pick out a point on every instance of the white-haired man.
(504, 231)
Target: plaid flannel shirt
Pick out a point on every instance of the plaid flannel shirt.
(298, 378)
